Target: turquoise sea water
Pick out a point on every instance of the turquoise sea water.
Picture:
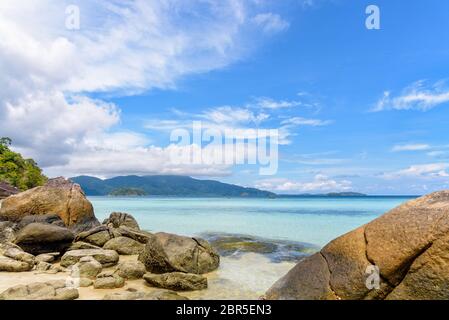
(314, 220)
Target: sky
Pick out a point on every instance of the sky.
(356, 109)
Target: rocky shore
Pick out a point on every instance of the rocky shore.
(52, 247)
(402, 255)
(52, 230)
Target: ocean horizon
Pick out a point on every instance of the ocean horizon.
(311, 220)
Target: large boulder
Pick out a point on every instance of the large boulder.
(107, 258)
(409, 245)
(166, 252)
(124, 246)
(97, 236)
(177, 281)
(118, 219)
(59, 196)
(38, 238)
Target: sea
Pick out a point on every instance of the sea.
(295, 226)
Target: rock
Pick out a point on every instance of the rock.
(11, 265)
(137, 295)
(52, 290)
(97, 236)
(86, 267)
(7, 233)
(47, 257)
(38, 238)
(131, 270)
(107, 258)
(109, 280)
(20, 255)
(7, 190)
(409, 245)
(80, 245)
(85, 282)
(43, 266)
(118, 219)
(138, 235)
(124, 246)
(58, 196)
(165, 253)
(45, 218)
(177, 281)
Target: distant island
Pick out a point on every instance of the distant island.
(160, 185)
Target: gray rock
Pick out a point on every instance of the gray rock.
(131, 270)
(20, 255)
(107, 258)
(87, 267)
(47, 257)
(166, 253)
(11, 265)
(177, 281)
(43, 266)
(52, 290)
(138, 295)
(38, 238)
(109, 280)
(118, 219)
(124, 246)
(138, 235)
(80, 245)
(45, 218)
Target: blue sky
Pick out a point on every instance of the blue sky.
(360, 110)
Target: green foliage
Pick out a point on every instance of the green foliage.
(17, 171)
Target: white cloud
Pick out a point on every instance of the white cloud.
(431, 170)
(411, 147)
(320, 183)
(419, 96)
(122, 48)
(268, 103)
(232, 115)
(299, 121)
(270, 22)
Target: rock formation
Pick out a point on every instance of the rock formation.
(409, 245)
(59, 196)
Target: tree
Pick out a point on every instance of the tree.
(17, 171)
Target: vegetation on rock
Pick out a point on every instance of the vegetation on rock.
(17, 171)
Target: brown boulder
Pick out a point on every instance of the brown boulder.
(166, 252)
(409, 245)
(118, 219)
(59, 196)
(39, 238)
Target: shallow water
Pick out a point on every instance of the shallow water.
(314, 220)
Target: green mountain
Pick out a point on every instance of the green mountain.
(165, 186)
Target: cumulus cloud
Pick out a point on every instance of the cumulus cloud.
(419, 96)
(122, 48)
(320, 183)
(430, 170)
